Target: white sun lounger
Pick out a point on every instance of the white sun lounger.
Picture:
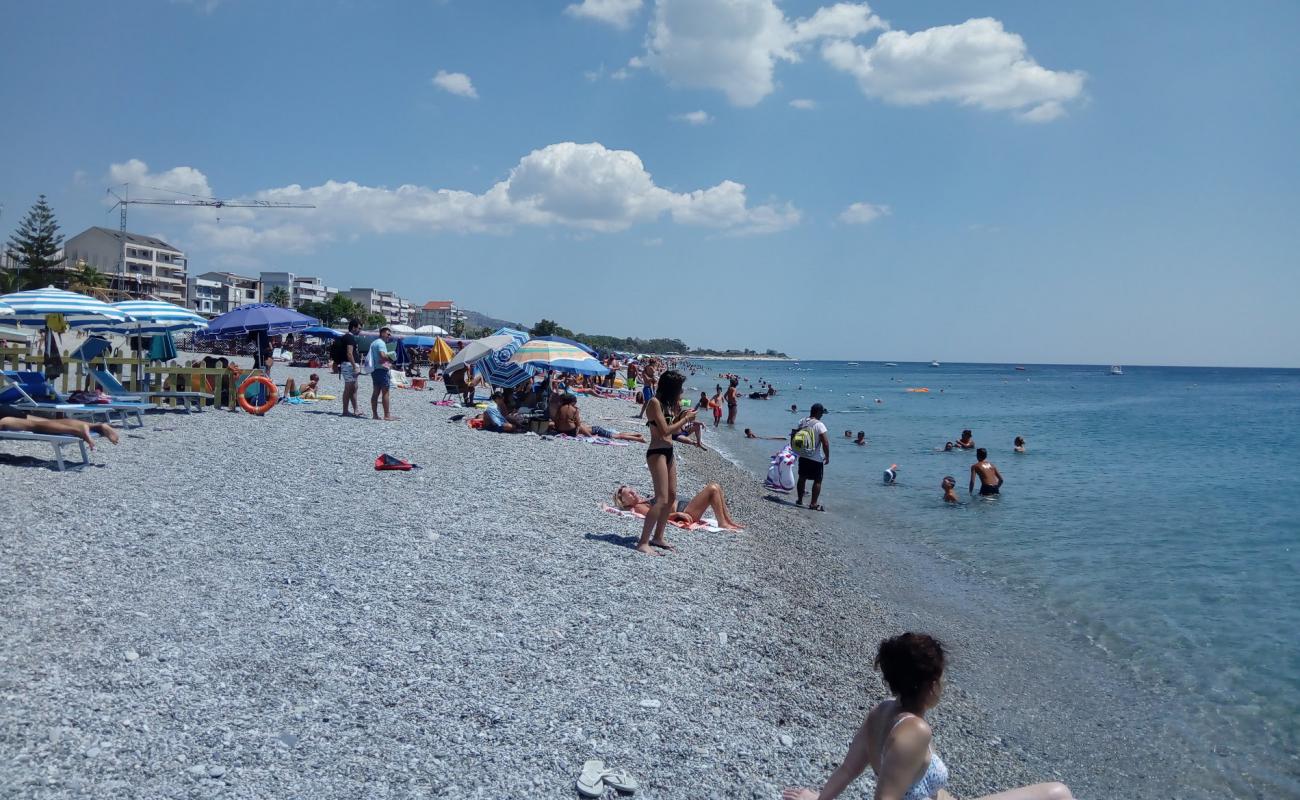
(113, 388)
(58, 441)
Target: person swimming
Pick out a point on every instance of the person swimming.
(990, 478)
(862, 439)
(794, 409)
(966, 442)
(751, 435)
(1020, 444)
(949, 489)
(848, 434)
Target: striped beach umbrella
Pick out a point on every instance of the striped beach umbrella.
(559, 356)
(152, 316)
(34, 305)
(497, 368)
(6, 310)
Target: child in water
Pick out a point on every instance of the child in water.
(950, 489)
(1020, 444)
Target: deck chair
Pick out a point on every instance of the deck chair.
(57, 441)
(25, 386)
(114, 389)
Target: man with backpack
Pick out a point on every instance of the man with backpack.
(344, 353)
(809, 441)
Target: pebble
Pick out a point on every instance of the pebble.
(216, 771)
(786, 739)
(649, 703)
(131, 655)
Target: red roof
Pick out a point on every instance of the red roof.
(437, 305)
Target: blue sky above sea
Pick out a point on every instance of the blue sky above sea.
(990, 181)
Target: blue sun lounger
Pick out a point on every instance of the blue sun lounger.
(113, 388)
(25, 386)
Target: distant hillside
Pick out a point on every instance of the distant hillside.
(476, 319)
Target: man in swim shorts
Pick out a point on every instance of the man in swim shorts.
(812, 462)
(990, 478)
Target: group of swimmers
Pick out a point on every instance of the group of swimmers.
(990, 478)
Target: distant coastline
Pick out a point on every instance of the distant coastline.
(694, 357)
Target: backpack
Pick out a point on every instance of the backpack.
(804, 440)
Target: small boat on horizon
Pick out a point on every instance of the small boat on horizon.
(934, 363)
(1020, 369)
(1116, 369)
(890, 364)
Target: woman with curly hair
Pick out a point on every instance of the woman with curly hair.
(895, 740)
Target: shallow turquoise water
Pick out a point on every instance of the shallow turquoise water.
(1154, 512)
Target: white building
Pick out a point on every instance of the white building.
(230, 290)
(309, 290)
(442, 313)
(139, 266)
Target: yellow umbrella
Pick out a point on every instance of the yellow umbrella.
(440, 353)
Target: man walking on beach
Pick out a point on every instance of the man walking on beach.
(990, 478)
(349, 369)
(379, 358)
(809, 441)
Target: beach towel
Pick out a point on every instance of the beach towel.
(593, 440)
(703, 524)
(780, 476)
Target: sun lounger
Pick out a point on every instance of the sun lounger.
(57, 441)
(24, 387)
(113, 388)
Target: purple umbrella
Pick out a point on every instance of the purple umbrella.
(265, 318)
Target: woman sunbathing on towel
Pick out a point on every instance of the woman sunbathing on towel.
(687, 512)
(61, 427)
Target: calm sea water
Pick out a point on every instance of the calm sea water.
(1155, 513)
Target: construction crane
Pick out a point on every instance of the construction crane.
(124, 200)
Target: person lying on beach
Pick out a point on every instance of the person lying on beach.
(896, 741)
(949, 489)
(58, 427)
(965, 442)
(751, 435)
(1020, 444)
(990, 478)
(688, 512)
(568, 420)
(861, 441)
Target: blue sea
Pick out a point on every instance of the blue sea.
(1153, 517)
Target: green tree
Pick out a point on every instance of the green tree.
(373, 320)
(10, 281)
(458, 328)
(87, 279)
(278, 295)
(548, 327)
(36, 244)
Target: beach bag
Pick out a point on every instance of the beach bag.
(386, 462)
(780, 475)
(804, 439)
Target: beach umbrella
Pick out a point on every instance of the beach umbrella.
(418, 341)
(568, 341)
(477, 350)
(6, 310)
(91, 349)
(432, 330)
(322, 331)
(441, 352)
(9, 332)
(151, 316)
(497, 368)
(266, 318)
(549, 354)
(34, 305)
(401, 329)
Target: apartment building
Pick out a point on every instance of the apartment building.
(226, 290)
(442, 313)
(310, 290)
(139, 266)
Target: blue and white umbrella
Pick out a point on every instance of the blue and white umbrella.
(497, 368)
(6, 310)
(33, 306)
(152, 316)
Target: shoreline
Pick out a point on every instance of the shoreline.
(301, 624)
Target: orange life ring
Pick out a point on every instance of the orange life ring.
(270, 395)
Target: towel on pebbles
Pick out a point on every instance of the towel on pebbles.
(703, 524)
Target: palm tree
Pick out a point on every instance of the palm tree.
(87, 279)
(278, 295)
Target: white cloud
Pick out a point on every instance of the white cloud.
(458, 83)
(862, 213)
(694, 117)
(182, 180)
(734, 45)
(583, 187)
(803, 104)
(618, 13)
(976, 63)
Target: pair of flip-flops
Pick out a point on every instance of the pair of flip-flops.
(595, 779)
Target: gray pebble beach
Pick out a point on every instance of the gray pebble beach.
(231, 606)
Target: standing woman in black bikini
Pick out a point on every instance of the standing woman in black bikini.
(659, 457)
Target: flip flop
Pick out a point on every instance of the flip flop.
(591, 783)
(620, 780)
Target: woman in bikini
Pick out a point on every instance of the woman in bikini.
(659, 456)
(686, 512)
(895, 740)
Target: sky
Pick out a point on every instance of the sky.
(962, 181)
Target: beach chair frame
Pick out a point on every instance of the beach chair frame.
(57, 441)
